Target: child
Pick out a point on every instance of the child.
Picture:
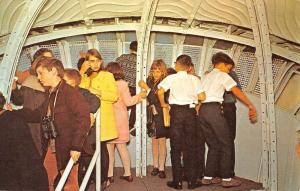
(73, 78)
(103, 85)
(184, 95)
(122, 122)
(214, 124)
(158, 72)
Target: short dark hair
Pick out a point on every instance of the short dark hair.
(221, 57)
(133, 46)
(184, 60)
(50, 63)
(116, 70)
(40, 52)
(73, 74)
(2, 101)
(171, 71)
(80, 62)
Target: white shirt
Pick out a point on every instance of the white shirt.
(184, 88)
(214, 85)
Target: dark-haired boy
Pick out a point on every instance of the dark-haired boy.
(213, 123)
(184, 95)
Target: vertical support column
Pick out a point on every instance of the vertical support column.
(143, 45)
(93, 42)
(178, 46)
(236, 51)
(258, 18)
(64, 49)
(120, 41)
(33, 50)
(207, 50)
(16, 42)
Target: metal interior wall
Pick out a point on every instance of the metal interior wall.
(259, 24)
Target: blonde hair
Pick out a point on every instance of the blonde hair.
(160, 65)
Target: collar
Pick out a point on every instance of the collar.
(57, 87)
(182, 73)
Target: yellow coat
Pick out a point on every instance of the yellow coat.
(105, 87)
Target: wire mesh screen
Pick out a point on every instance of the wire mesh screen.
(195, 53)
(75, 48)
(244, 67)
(276, 66)
(25, 60)
(257, 87)
(54, 48)
(108, 50)
(165, 52)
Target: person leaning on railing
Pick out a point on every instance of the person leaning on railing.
(64, 116)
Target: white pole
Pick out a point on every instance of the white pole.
(89, 171)
(98, 148)
(65, 175)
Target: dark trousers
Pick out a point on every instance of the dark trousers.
(200, 150)
(183, 138)
(85, 160)
(104, 162)
(217, 137)
(132, 109)
(230, 116)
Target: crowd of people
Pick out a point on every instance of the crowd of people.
(57, 118)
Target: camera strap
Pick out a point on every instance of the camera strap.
(49, 113)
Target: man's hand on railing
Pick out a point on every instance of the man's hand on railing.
(75, 155)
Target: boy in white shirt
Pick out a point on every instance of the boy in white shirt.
(184, 94)
(213, 123)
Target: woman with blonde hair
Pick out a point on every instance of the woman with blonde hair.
(102, 84)
(155, 124)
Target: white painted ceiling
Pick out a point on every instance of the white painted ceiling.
(283, 15)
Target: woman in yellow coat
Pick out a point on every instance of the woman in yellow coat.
(102, 84)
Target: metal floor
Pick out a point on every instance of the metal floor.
(150, 183)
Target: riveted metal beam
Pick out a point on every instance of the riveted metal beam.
(258, 18)
(143, 35)
(16, 41)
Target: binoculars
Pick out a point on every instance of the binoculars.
(48, 127)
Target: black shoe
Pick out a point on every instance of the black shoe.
(111, 179)
(175, 185)
(127, 178)
(155, 172)
(193, 185)
(132, 132)
(161, 174)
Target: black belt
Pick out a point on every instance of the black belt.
(181, 106)
(211, 103)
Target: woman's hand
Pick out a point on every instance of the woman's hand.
(142, 84)
(85, 66)
(143, 94)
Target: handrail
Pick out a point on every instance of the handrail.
(96, 158)
(65, 175)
